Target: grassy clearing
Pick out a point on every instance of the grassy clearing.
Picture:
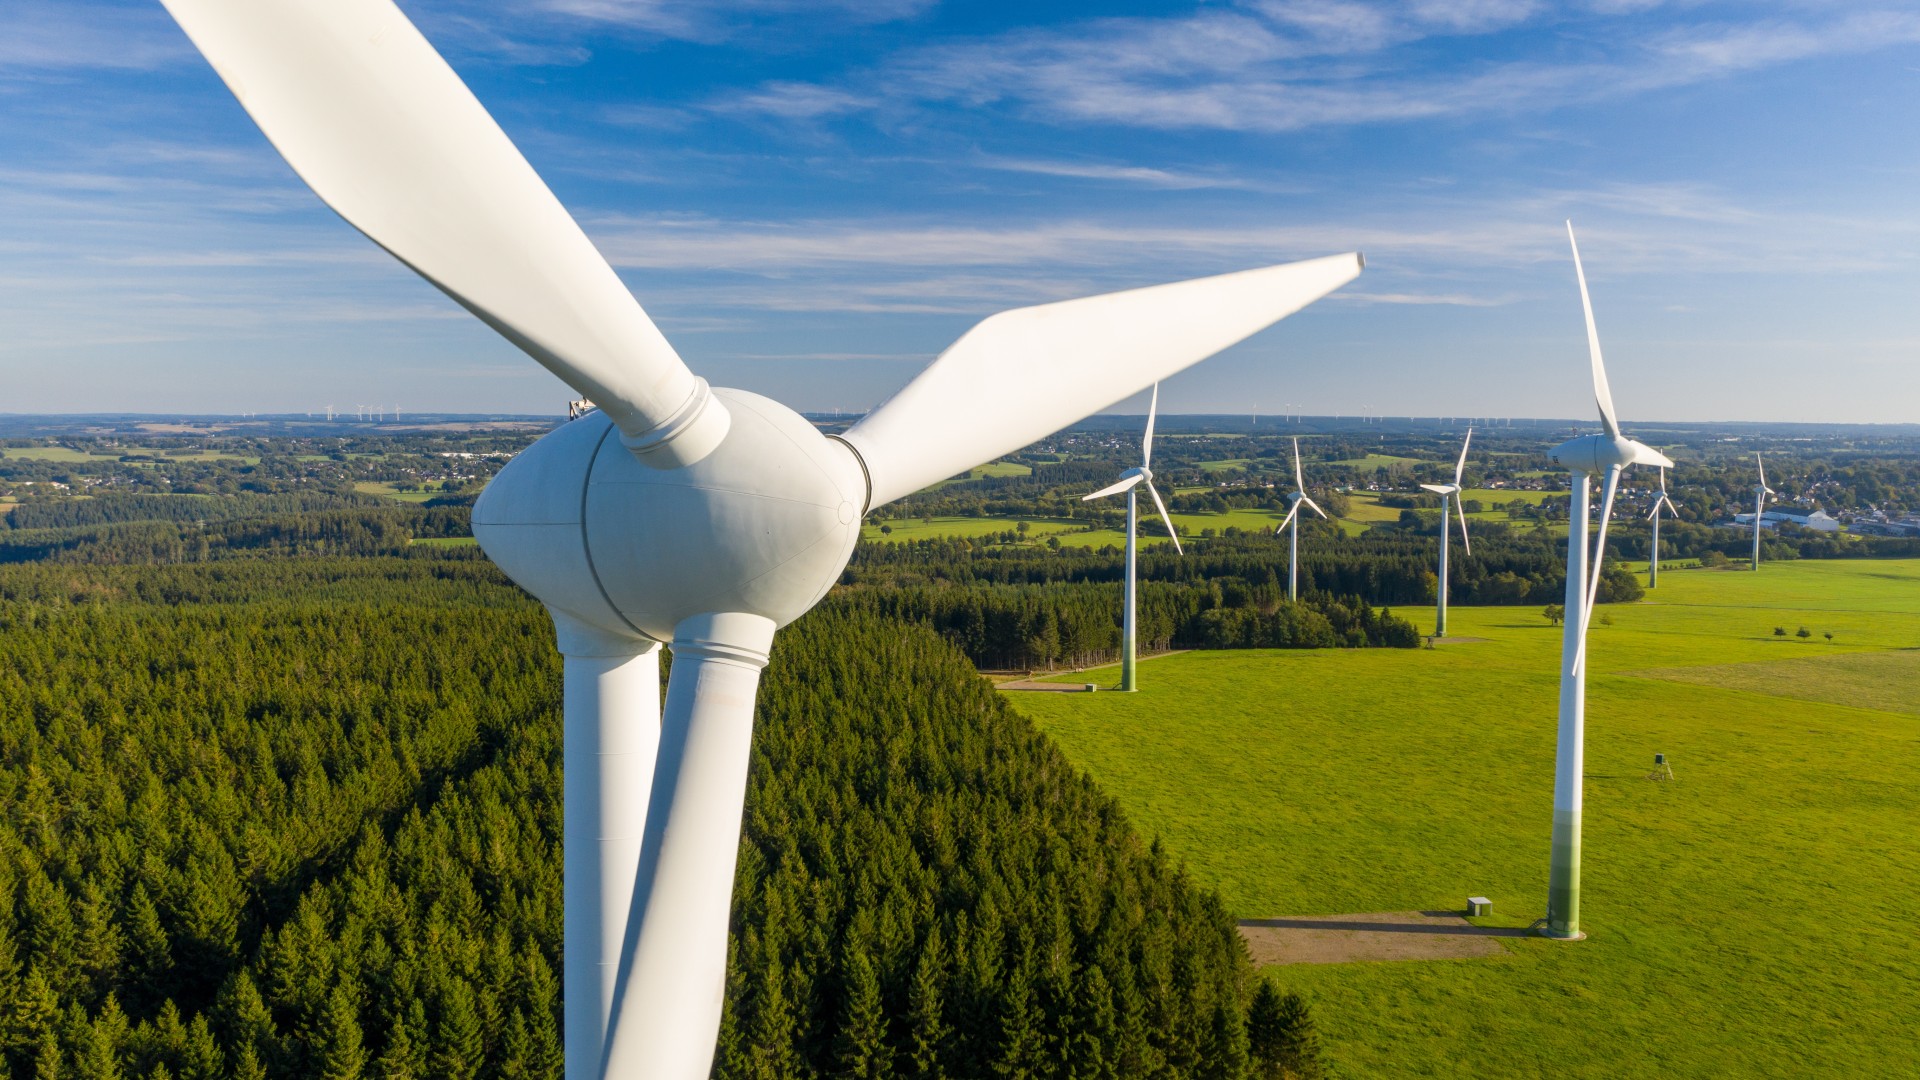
(444, 541)
(1745, 920)
(995, 468)
(1226, 465)
(964, 527)
(382, 488)
(1374, 461)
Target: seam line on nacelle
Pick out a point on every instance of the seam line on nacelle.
(866, 504)
(586, 544)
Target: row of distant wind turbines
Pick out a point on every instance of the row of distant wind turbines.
(704, 517)
(1608, 454)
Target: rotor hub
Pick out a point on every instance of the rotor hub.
(763, 524)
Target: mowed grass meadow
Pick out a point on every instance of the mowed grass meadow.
(1755, 917)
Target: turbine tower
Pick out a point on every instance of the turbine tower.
(1130, 482)
(676, 513)
(1297, 496)
(1760, 493)
(1653, 565)
(1608, 453)
(1450, 500)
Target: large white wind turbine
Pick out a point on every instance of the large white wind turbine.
(1450, 499)
(1660, 501)
(1609, 453)
(1297, 497)
(1760, 493)
(677, 513)
(1130, 482)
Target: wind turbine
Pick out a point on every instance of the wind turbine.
(1653, 567)
(1450, 500)
(1130, 482)
(676, 513)
(1760, 493)
(1297, 496)
(1608, 453)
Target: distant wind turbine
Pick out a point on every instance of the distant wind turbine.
(1609, 453)
(1653, 566)
(1129, 481)
(1450, 499)
(1760, 493)
(1297, 497)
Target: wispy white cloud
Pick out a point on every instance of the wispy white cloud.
(1287, 65)
(46, 36)
(707, 20)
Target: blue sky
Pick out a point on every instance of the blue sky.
(814, 198)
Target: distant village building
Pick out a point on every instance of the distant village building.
(1818, 520)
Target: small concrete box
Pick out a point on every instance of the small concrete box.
(1479, 905)
(1091, 687)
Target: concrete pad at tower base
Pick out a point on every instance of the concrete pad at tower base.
(1390, 935)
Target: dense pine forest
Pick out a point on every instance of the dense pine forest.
(300, 817)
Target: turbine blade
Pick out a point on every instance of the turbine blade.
(1315, 505)
(1288, 520)
(1663, 481)
(1299, 481)
(1463, 523)
(1146, 444)
(377, 124)
(1460, 470)
(682, 897)
(1164, 516)
(1758, 461)
(1438, 489)
(1599, 557)
(1068, 359)
(1603, 396)
(1113, 489)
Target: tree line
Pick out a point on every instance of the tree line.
(301, 818)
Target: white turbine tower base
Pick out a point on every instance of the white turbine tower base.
(1608, 453)
(675, 512)
(1450, 500)
(1130, 482)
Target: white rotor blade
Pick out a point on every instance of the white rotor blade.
(1599, 559)
(667, 1006)
(1603, 396)
(1288, 520)
(1114, 489)
(1299, 482)
(1146, 443)
(1315, 505)
(1164, 516)
(1663, 481)
(1457, 501)
(372, 118)
(1762, 465)
(1460, 470)
(1024, 374)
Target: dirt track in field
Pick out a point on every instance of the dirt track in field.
(1390, 935)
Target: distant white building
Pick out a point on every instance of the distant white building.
(1818, 521)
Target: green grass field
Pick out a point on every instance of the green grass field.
(381, 487)
(968, 527)
(1750, 919)
(1374, 461)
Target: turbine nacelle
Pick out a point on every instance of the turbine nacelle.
(763, 524)
(1593, 454)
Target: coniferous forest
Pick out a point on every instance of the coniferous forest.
(300, 818)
